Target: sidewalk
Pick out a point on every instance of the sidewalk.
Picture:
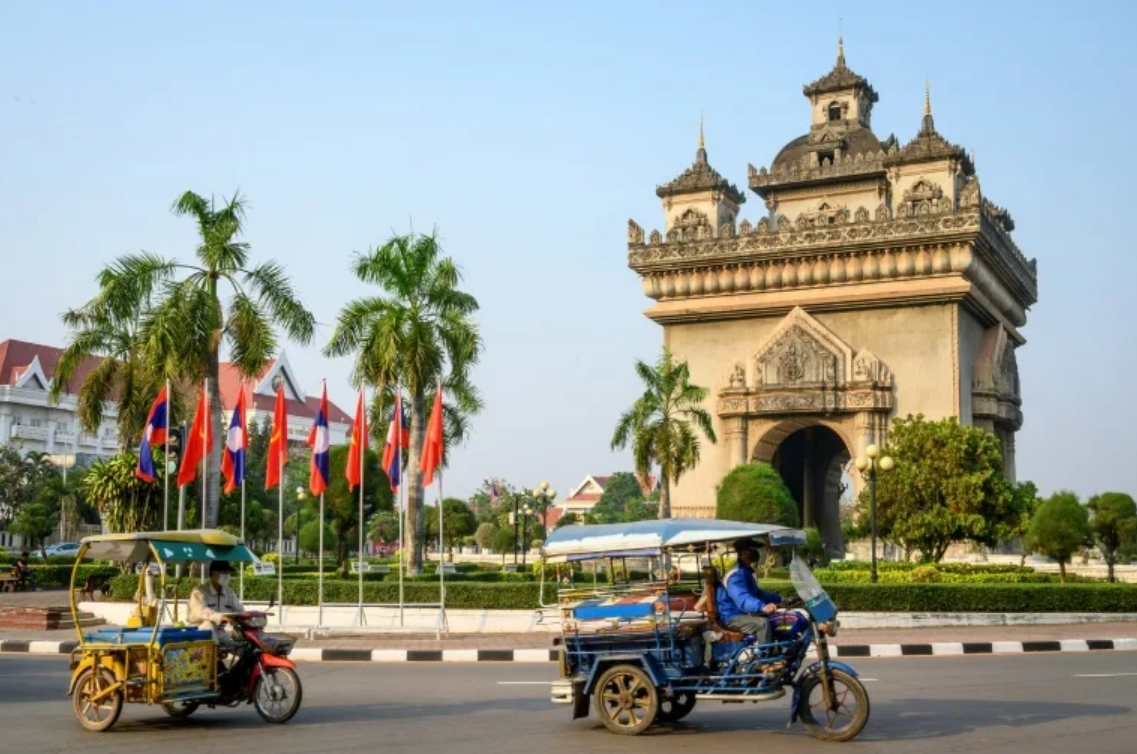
(394, 647)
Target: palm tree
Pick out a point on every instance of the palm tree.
(418, 331)
(661, 425)
(184, 320)
(111, 330)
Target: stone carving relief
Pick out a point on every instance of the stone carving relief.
(862, 215)
(800, 352)
(738, 376)
(969, 195)
(744, 228)
(655, 238)
(635, 233)
(868, 368)
(995, 394)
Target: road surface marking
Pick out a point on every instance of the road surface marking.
(1102, 675)
(524, 683)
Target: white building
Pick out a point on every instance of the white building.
(29, 420)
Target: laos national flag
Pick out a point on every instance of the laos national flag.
(154, 433)
(320, 443)
(397, 440)
(236, 446)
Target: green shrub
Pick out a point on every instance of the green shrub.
(924, 575)
(961, 568)
(755, 492)
(59, 576)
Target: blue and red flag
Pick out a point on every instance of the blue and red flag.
(236, 446)
(154, 433)
(398, 438)
(320, 443)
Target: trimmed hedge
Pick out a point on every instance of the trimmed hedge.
(520, 596)
(978, 598)
(897, 565)
(52, 576)
(928, 574)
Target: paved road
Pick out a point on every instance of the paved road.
(1034, 704)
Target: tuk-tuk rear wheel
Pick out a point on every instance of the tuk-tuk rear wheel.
(627, 701)
(180, 710)
(96, 717)
(676, 707)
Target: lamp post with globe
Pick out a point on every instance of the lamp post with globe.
(872, 462)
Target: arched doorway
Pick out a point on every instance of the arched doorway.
(812, 459)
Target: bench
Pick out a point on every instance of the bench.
(9, 582)
(357, 567)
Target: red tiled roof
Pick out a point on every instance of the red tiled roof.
(229, 381)
(17, 355)
(551, 517)
(582, 498)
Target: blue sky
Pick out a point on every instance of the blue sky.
(530, 133)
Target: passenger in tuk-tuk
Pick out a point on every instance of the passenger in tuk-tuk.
(209, 602)
(742, 605)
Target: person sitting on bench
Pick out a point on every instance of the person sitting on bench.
(25, 573)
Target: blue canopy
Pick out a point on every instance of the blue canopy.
(646, 538)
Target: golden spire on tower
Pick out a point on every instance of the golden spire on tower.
(840, 42)
(927, 96)
(702, 142)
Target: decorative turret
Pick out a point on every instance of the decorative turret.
(700, 202)
(929, 145)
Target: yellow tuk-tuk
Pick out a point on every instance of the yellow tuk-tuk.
(173, 665)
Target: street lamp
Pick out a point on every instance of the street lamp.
(872, 461)
(526, 511)
(300, 496)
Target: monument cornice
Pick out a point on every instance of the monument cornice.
(967, 242)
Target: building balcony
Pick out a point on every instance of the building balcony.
(26, 432)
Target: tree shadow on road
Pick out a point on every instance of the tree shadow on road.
(918, 719)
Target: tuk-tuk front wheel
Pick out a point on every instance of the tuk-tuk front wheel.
(627, 701)
(841, 721)
(98, 715)
(277, 695)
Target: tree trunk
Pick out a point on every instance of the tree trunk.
(416, 516)
(1062, 570)
(664, 496)
(1109, 563)
(212, 500)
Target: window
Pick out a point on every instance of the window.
(822, 156)
(835, 113)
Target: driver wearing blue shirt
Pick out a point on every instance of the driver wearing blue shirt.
(742, 605)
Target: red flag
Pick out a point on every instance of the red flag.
(199, 442)
(432, 447)
(278, 445)
(358, 445)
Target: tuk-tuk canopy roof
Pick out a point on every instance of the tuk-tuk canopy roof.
(173, 547)
(647, 538)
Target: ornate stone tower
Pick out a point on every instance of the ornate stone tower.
(880, 282)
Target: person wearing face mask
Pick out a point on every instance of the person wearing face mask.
(210, 602)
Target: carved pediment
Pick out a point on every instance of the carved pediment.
(868, 368)
(802, 352)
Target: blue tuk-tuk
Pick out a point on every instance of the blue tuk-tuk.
(643, 642)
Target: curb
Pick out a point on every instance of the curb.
(332, 654)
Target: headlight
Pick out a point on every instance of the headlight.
(257, 621)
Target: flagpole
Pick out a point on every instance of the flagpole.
(320, 565)
(402, 506)
(204, 450)
(166, 463)
(362, 458)
(242, 580)
(442, 622)
(280, 530)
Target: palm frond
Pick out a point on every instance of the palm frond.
(276, 294)
(252, 343)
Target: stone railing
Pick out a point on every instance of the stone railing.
(28, 432)
(63, 437)
(87, 439)
(839, 166)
